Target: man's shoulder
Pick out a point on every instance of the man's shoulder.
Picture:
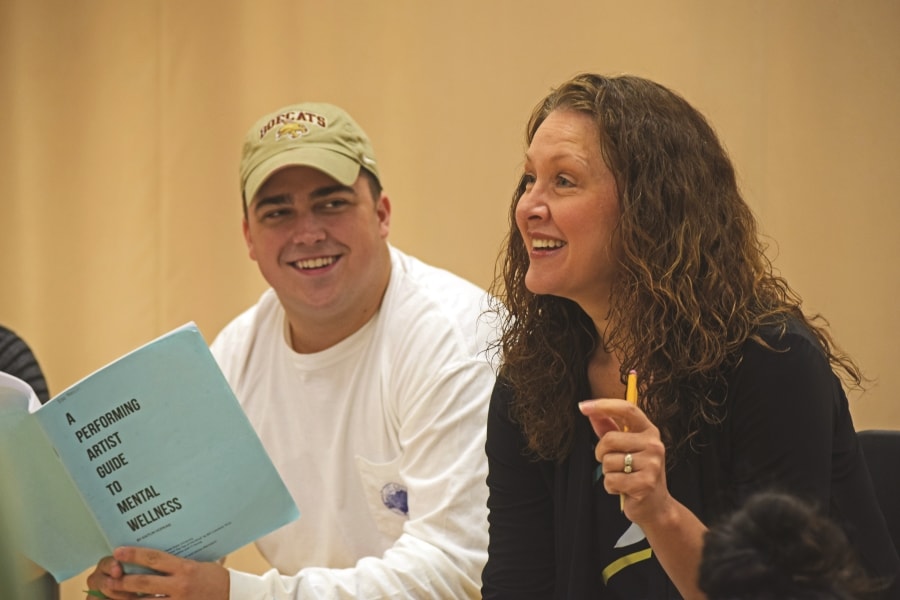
(431, 301)
(419, 281)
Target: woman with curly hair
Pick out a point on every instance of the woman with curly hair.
(631, 248)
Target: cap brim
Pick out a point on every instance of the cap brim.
(343, 169)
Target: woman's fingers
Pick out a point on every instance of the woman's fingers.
(608, 415)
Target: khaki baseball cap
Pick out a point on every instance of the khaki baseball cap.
(314, 134)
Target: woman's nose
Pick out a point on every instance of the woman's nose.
(532, 205)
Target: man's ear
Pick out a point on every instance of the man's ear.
(383, 211)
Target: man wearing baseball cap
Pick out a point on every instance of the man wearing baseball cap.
(365, 374)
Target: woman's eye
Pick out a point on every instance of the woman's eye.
(563, 181)
(527, 180)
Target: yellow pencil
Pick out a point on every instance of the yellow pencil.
(631, 388)
(631, 397)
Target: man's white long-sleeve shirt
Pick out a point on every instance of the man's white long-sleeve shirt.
(380, 440)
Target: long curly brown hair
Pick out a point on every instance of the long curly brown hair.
(693, 284)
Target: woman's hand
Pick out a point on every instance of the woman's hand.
(625, 431)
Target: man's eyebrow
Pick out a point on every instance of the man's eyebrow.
(331, 189)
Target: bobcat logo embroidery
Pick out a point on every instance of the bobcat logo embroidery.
(291, 130)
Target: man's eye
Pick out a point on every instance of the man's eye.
(272, 215)
(334, 203)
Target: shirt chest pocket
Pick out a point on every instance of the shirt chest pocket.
(386, 495)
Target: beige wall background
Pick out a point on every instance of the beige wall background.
(122, 122)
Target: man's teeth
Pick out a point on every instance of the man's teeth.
(315, 263)
(541, 244)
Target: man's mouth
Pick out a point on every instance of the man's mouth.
(314, 263)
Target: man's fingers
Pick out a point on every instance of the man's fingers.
(157, 560)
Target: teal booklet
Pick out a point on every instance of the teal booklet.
(151, 450)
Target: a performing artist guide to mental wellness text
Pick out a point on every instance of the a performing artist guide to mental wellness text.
(151, 450)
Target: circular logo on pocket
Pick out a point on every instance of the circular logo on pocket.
(393, 495)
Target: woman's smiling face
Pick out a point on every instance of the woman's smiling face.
(569, 212)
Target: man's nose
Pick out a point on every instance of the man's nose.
(308, 229)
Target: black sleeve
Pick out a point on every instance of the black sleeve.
(520, 552)
(17, 359)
